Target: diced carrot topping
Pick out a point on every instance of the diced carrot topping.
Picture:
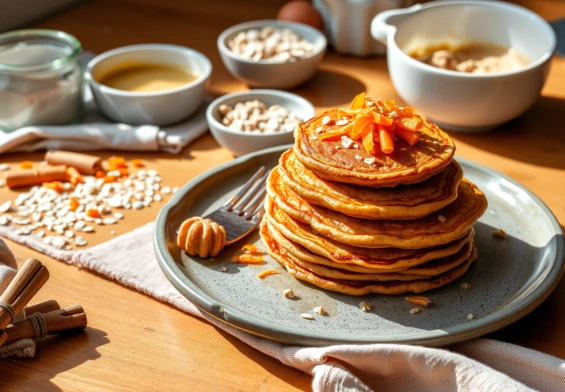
(137, 162)
(100, 174)
(360, 127)
(123, 171)
(409, 124)
(115, 163)
(382, 120)
(250, 248)
(358, 102)
(93, 213)
(108, 179)
(337, 134)
(409, 136)
(386, 140)
(368, 139)
(267, 273)
(55, 185)
(74, 176)
(73, 203)
(26, 165)
(247, 258)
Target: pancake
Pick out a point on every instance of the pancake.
(335, 254)
(329, 269)
(362, 288)
(441, 227)
(403, 202)
(405, 165)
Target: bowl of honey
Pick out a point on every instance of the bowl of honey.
(153, 84)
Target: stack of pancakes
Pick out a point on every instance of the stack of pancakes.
(399, 223)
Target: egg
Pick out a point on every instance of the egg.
(300, 12)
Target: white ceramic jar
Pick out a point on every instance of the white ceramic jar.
(465, 101)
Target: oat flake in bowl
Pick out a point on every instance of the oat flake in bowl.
(256, 116)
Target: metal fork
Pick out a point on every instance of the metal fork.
(243, 212)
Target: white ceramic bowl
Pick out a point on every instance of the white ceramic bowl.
(460, 101)
(154, 108)
(268, 74)
(239, 142)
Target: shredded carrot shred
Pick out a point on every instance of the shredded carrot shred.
(123, 171)
(73, 204)
(250, 248)
(137, 162)
(26, 165)
(247, 258)
(358, 102)
(115, 163)
(267, 273)
(74, 176)
(338, 133)
(55, 185)
(386, 139)
(100, 174)
(93, 213)
(108, 179)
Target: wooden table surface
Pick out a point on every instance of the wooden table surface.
(133, 342)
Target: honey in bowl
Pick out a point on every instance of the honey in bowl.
(141, 77)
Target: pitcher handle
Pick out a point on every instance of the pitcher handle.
(382, 26)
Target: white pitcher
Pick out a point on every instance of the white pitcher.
(347, 23)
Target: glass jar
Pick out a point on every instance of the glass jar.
(41, 79)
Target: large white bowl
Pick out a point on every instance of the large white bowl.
(154, 108)
(268, 74)
(461, 101)
(239, 142)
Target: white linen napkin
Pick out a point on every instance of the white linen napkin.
(96, 132)
(478, 365)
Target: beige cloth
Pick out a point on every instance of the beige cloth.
(478, 365)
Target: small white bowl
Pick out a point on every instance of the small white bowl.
(154, 108)
(460, 101)
(268, 74)
(240, 142)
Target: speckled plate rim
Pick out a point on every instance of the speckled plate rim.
(253, 324)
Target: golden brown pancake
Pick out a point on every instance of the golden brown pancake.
(361, 288)
(405, 165)
(441, 227)
(335, 254)
(400, 203)
(330, 269)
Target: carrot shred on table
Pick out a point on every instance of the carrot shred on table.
(137, 162)
(108, 179)
(247, 258)
(267, 273)
(55, 185)
(73, 204)
(74, 176)
(93, 213)
(123, 171)
(250, 248)
(26, 164)
(115, 163)
(100, 174)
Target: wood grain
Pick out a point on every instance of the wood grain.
(133, 342)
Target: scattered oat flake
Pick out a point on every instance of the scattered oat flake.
(5, 207)
(441, 218)
(326, 120)
(358, 157)
(365, 306)
(319, 310)
(414, 310)
(500, 233)
(223, 268)
(307, 316)
(266, 273)
(465, 285)
(342, 122)
(356, 146)
(470, 316)
(4, 167)
(422, 301)
(313, 137)
(288, 293)
(319, 130)
(369, 161)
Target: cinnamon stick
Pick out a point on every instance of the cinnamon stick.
(27, 282)
(58, 321)
(43, 307)
(84, 163)
(36, 176)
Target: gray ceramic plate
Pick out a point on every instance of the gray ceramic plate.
(510, 278)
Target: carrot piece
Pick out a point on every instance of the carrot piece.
(26, 165)
(247, 258)
(55, 185)
(361, 127)
(407, 112)
(386, 140)
(73, 203)
(123, 171)
(382, 120)
(358, 102)
(115, 163)
(250, 248)
(368, 140)
(137, 162)
(337, 133)
(409, 136)
(409, 123)
(100, 174)
(263, 274)
(93, 213)
(108, 179)
(74, 176)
